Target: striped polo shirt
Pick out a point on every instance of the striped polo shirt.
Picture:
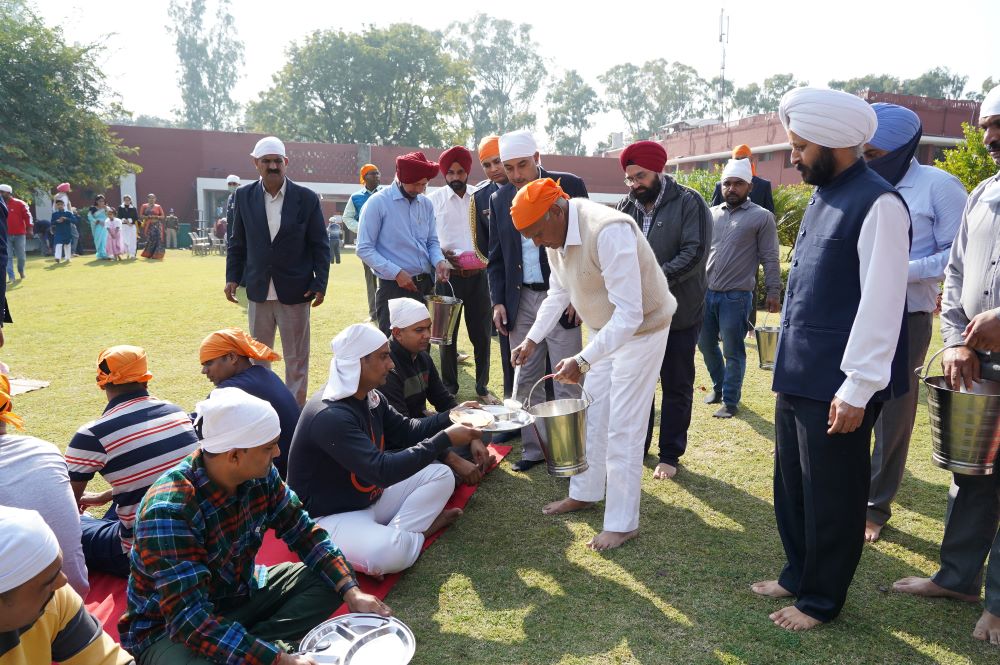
(136, 439)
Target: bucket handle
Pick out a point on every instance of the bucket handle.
(766, 316)
(527, 402)
(927, 367)
(448, 282)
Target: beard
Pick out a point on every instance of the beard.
(735, 201)
(646, 195)
(822, 171)
(457, 186)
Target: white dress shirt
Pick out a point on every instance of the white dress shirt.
(884, 266)
(618, 257)
(451, 214)
(272, 208)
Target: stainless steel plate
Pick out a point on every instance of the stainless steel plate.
(360, 639)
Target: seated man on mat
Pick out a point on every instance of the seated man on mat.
(368, 472)
(195, 595)
(414, 381)
(226, 359)
(42, 619)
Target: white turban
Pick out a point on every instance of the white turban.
(738, 168)
(991, 104)
(829, 118)
(514, 145)
(269, 145)
(351, 345)
(6, 188)
(27, 546)
(231, 418)
(404, 312)
(235, 179)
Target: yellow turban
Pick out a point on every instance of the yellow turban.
(122, 364)
(365, 170)
(489, 147)
(234, 340)
(534, 200)
(7, 414)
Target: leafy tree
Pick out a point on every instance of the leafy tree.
(938, 83)
(980, 95)
(571, 104)
(51, 118)
(392, 85)
(790, 202)
(748, 100)
(655, 94)
(969, 161)
(702, 181)
(505, 73)
(873, 82)
(211, 58)
(627, 91)
(774, 88)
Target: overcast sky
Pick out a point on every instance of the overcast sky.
(816, 41)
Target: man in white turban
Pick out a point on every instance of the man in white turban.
(195, 592)
(971, 327)
(370, 474)
(839, 354)
(42, 619)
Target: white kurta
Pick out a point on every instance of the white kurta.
(129, 237)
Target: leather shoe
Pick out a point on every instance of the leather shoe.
(727, 411)
(525, 464)
(713, 397)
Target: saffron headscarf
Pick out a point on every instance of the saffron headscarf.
(743, 151)
(234, 340)
(118, 365)
(7, 414)
(489, 147)
(534, 200)
(365, 170)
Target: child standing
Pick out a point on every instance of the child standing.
(115, 246)
(63, 222)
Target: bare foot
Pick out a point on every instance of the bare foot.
(923, 586)
(566, 505)
(988, 628)
(771, 589)
(446, 518)
(608, 540)
(664, 471)
(791, 618)
(872, 531)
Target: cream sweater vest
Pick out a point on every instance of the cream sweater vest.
(579, 271)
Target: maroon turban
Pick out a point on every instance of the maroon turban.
(647, 154)
(458, 154)
(413, 166)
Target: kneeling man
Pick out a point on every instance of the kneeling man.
(600, 263)
(195, 595)
(367, 471)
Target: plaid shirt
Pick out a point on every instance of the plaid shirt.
(194, 551)
(647, 215)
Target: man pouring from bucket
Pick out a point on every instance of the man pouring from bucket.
(970, 323)
(600, 262)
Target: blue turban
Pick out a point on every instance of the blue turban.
(897, 125)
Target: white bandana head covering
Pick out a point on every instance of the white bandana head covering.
(231, 418)
(829, 118)
(269, 145)
(351, 345)
(991, 104)
(27, 546)
(404, 312)
(514, 145)
(738, 168)
(233, 179)
(6, 188)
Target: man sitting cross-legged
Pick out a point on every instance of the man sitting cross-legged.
(226, 359)
(414, 381)
(195, 595)
(369, 472)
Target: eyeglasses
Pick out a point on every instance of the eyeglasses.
(633, 180)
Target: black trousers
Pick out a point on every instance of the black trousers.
(820, 502)
(389, 289)
(475, 296)
(677, 382)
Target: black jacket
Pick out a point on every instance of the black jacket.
(413, 382)
(298, 259)
(504, 270)
(760, 194)
(681, 237)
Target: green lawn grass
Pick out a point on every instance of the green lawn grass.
(506, 584)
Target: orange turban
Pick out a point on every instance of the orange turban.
(489, 147)
(743, 152)
(534, 200)
(234, 340)
(7, 414)
(122, 364)
(365, 170)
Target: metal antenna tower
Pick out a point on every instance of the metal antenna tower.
(723, 40)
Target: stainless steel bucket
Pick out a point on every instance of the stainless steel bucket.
(965, 426)
(445, 312)
(767, 344)
(561, 425)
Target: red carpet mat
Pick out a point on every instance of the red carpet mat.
(106, 599)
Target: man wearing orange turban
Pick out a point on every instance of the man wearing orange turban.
(136, 439)
(602, 266)
(226, 358)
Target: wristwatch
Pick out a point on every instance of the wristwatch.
(581, 363)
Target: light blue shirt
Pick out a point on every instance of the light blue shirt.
(396, 233)
(531, 263)
(936, 200)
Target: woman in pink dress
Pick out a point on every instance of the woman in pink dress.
(114, 246)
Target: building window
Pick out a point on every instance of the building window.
(765, 157)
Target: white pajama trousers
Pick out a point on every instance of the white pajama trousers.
(129, 238)
(621, 384)
(387, 536)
